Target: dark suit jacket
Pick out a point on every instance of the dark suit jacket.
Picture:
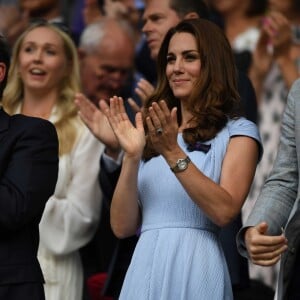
(28, 174)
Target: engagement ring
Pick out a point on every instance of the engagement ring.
(159, 131)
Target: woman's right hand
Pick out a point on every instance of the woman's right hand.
(132, 139)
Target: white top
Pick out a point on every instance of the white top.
(246, 40)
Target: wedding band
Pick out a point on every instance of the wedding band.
(159, 130)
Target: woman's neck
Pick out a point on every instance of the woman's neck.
(38, 104)
(186, 119)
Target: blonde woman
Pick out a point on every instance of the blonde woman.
(43, 78)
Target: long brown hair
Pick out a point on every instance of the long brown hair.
(214, 98)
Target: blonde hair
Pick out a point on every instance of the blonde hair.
(66, 110)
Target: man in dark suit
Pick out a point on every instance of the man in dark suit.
(28, 174)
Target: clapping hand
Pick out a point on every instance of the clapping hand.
(163, 127)
(131, 138)
(98, 124)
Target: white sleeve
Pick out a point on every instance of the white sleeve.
(71, 215)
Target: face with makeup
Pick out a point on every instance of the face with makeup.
(183, 64)
(42, 61)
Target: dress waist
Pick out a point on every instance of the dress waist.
(205, 227)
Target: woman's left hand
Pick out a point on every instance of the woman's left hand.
(162, 127)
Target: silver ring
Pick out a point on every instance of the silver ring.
(159, 131)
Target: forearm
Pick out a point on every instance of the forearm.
(125, 211)
(222, 197)
(213, 199)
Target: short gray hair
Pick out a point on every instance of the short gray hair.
(93, 34)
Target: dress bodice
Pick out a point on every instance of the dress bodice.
(164, 202)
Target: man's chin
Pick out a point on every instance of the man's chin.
(154, 53)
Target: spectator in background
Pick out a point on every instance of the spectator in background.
(28, 174)
(14, 19)
(43, 79)
(130, 11)
(106, 52)
(241, 22)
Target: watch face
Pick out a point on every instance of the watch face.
(182, 164)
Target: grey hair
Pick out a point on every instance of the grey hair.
(94, 33)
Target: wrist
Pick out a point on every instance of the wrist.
(173, 156)
(132, 159)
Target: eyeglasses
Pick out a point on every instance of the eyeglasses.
(60, 25)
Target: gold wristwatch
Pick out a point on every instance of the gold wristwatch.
(181, 165)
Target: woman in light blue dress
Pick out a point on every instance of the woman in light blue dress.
(187, 168)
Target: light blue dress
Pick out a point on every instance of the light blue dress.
(179, 255)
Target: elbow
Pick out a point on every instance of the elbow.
(122, 232)
(124, 225)
(224, 219)
(227, 213)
